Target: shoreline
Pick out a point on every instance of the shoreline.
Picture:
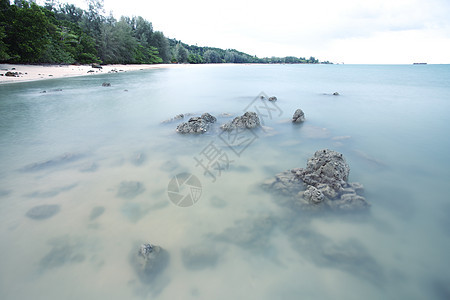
(28, 73)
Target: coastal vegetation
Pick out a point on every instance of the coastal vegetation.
(65, 34)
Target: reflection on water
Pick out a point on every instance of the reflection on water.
(85, 172)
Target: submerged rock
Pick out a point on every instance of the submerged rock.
(199, 257)
(106, 84)
(248, 120)
(322, 184)
(149, 261)
(42, 212)
(130, 189)
(96, 212)
(197, 124)
(63, 159)
(299, 116)
(176, 118)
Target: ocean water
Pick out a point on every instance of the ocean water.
(85, 173)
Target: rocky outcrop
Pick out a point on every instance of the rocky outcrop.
(322, 184)
(12, 74)
(149, 261)
(197, 124)
(299, 116)
(248, 120)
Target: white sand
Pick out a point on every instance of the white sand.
(41, 72)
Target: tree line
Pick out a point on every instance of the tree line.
(65, 34)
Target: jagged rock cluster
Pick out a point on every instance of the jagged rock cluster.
(197, 124)
(201, 124)
(323, 184)
(248, 120)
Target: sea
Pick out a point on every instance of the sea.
(90, 172)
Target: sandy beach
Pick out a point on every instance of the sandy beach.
(43, 72)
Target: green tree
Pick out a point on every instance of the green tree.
(211, 56)
(159, 41)
(181, 54)
(27, 36)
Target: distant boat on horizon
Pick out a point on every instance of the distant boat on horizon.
(422, 63)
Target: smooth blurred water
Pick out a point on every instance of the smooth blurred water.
(390, 122)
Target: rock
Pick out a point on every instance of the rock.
(42, 212)
(299, 116)
(313, 195)
(323, 181)
(248, 120)
(273, 98)
(149, 261)
(194, 125)
(326, 166)
(96, 66)
(91, 71)
(335, 94)
(208, 118)
(58, 161)
(130, 189)
(199, 257)
(176, 118)
(12, 74)
(106, 84)
(197, 124)
(96, 212)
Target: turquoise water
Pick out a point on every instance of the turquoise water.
(80, 148)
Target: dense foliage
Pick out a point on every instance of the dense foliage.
(64, 33)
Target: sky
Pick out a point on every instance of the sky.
(344, 31)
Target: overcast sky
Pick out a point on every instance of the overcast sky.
(350, 31)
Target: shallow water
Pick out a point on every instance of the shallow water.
(97, 162)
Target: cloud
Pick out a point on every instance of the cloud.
(319, 28)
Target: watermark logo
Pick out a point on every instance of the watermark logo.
(184, 189)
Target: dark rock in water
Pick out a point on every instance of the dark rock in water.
(208, 118)
(52, 192)
(348, 256)
(62, 252)
(299, 116)
(194, 125)
(273, 98)
(4, 193)
(197, 124)
(248, 120)
(250, 233)
(335, 94)
(106, 84)
(324, 182)
(130, 189)
(149, 261)
(63, 159)
(96, 212)
(42, 212)
(199, 257)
